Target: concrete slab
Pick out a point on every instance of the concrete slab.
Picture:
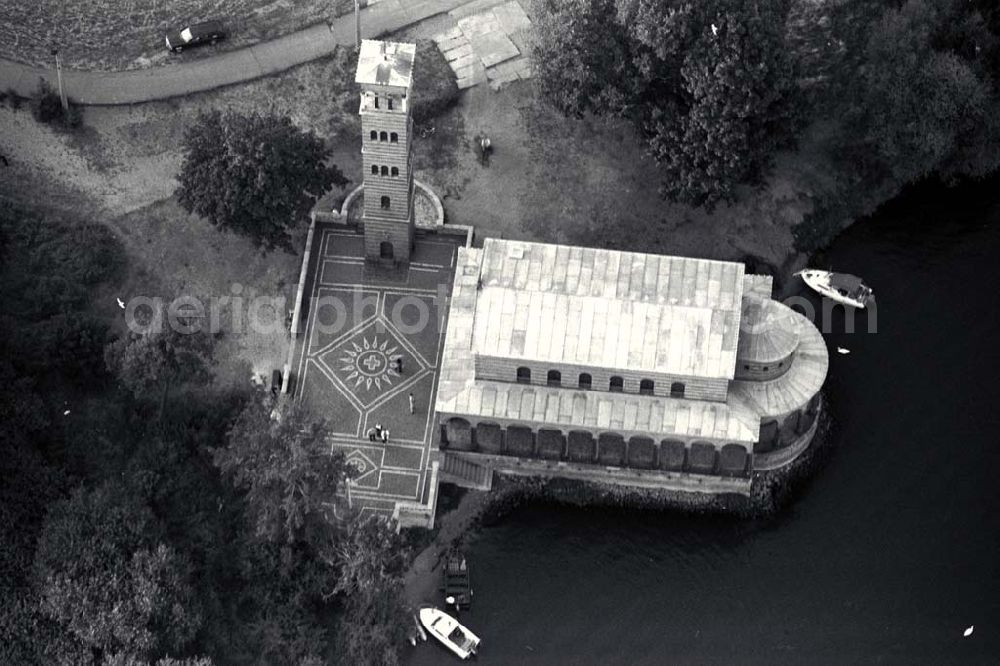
(463, 62)
(454, 43)
(505, 69)
(525, 69)
(456, 53)
(494, 48)
(479, 24)
(442, 37)
(465, 72)
(512, 17)
(475, 7)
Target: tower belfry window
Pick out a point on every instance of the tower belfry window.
(376, 101)
(389, 104)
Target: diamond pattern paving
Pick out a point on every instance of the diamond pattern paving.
(359, 323)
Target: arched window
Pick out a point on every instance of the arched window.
(383, 136)
(646, 387)
(617, 384)
(554, 378)
(523, 375)
(393, 138)
(385, 171)
(677, 390)
(395, 171)
(585, 381)
(374, 169)
(385, 202)
(374, 135)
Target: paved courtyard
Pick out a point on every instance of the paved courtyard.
(487, 43)
(360, 321)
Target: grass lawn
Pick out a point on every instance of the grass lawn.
(125, 34)
(588, 182)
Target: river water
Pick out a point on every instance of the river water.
(887, 555)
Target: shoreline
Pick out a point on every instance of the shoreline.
(771, 492)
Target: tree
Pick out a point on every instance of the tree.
(255, 175)
(719, 89)
(927, 102)
(583, 59)
(367, 554)
(709, 85)
(283, 466)
(370, 560)
(103, 576)
(159, 359)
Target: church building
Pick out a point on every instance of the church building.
(622, 367)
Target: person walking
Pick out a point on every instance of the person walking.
(385, 436)
(399, 364)
(411, 404)
(371, 434)
(378, 431)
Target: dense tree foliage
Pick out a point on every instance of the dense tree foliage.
(103, 575)
(709, 85)
(124, 543)
(927, 99)
(159, 359)
(370, 558)
(256, 175)
(49, 267)
(283, 467)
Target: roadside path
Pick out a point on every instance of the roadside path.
(246, 64)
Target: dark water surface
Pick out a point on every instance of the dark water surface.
(891, 551)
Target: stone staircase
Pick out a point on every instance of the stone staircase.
(465, 474)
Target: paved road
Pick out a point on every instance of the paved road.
(129, 87)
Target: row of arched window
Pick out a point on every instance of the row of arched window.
(585, 382)
(384, 170)
(391, 137)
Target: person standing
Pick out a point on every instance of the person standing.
(371, 434)
(385, 436)
(411, 403)
(378, 431)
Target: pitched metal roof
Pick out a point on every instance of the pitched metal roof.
(604, 308)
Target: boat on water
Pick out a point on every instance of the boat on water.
(841, 287)
(457, 583)
(449, 631)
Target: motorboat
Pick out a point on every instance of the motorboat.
(841, 287)
(449, 631)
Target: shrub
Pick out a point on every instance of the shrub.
(13, 99)
(46, 107)
(434, 87)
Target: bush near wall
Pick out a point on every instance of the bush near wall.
(434, 87)
(46, 107)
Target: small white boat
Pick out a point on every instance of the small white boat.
(841, 287)
(447, 629)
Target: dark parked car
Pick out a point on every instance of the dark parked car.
(208, 32)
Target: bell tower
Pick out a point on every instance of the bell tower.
(385, 75)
